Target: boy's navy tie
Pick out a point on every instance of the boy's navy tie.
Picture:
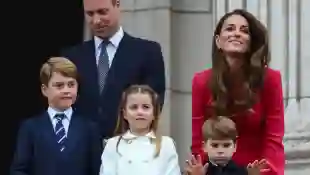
(60, 131)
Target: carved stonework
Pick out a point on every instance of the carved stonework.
(297, 145)
(297, 138)
(297, 149)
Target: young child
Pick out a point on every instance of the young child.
(138, 148)
(58, 142)
(220, 136)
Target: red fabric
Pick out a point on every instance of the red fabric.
(260, 132)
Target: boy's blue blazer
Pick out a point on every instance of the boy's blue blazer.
(37, 152)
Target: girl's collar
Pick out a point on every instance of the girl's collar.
(130, 135)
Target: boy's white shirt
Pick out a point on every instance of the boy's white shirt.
(136, 157)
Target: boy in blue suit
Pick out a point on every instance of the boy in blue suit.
(58, 142)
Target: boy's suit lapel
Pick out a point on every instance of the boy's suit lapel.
(74, 133)
(47, 129)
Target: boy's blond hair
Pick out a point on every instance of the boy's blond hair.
(57, 65)
(219, 128)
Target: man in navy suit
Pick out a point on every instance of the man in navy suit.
(110, 62)
(58, 141)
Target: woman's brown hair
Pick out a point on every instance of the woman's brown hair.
(123, 125)
(256, 61)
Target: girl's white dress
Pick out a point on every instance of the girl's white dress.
(135, 156)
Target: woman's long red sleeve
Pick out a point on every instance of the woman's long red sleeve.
(199, 96)
(272, 102)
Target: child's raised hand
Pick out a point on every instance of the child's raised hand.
(257, 167)
(195, 167)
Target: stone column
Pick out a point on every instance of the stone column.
(297, 140)
(191, 39)
(86, 31)
(150, 19)
(295, 73)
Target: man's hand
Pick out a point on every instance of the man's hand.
(195, 167)
(257, 167)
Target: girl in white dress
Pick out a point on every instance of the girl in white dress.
(138, 149)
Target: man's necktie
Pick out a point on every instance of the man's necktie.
(60, 131)
(103, 65)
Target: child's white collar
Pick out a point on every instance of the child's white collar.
(130, 135)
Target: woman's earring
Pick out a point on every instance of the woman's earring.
(220, 50)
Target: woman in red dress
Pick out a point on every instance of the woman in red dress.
(241, 85)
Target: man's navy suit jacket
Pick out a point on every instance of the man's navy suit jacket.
(38, 153)
(136, 61)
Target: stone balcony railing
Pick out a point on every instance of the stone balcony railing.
(297, 138)
(297, 149)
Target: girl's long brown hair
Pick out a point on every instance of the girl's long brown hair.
(122, 124)
(256, 61)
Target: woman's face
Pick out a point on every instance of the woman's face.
(234, 36)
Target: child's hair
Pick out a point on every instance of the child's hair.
(57, 65)
(219, 128)
(123, 125)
